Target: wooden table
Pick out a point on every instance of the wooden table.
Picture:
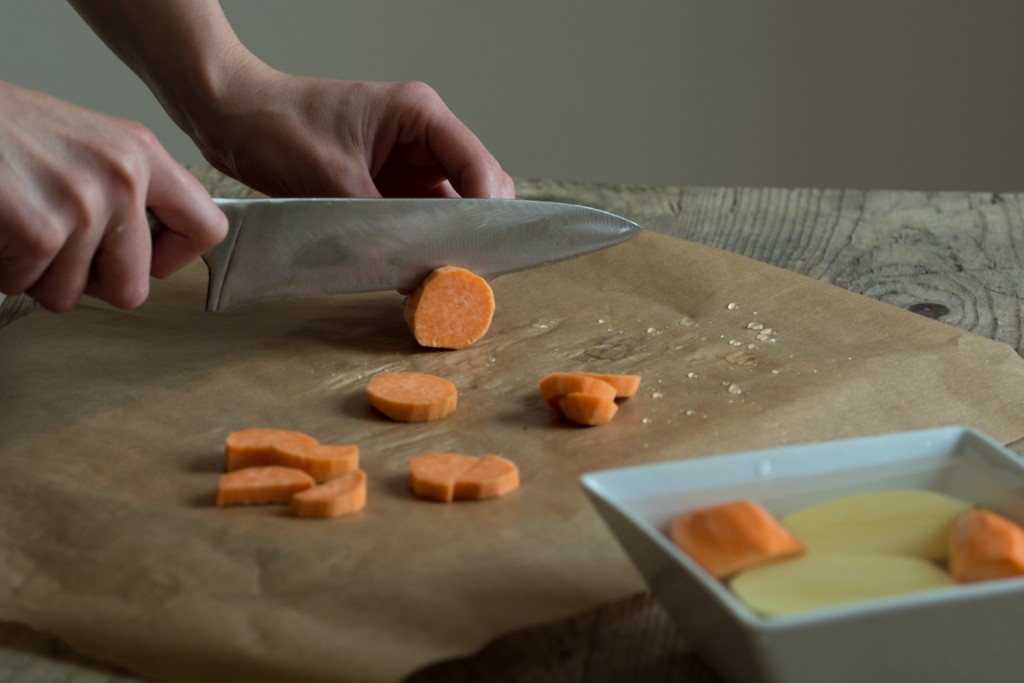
(954, 256)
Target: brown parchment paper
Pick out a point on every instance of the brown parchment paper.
(112, 444)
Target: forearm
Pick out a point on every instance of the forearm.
(184, 50)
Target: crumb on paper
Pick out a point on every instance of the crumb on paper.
(734, 388)
(732, 306)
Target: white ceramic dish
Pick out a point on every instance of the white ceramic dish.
(962, 633)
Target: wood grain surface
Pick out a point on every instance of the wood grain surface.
(957, 257)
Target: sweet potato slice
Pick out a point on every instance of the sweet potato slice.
(588, 409)
(256, 447)
(261, 484)
(451, 309)
(452, 476)
(412, 396)
(342, 495)
(557, 384)
(322, 461)
(492, 476)
(433, 475)
(984, 546)
(729, 537)
(625, 386)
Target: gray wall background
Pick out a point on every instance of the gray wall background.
(903, 94)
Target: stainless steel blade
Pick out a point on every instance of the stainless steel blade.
(278, 248)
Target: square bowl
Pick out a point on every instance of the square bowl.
(957, 633)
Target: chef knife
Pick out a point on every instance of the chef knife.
(279, 248)
(282, 248)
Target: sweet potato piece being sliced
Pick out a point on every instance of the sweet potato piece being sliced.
(412, 396)
(984, 546)
(452, 476)
(258, 485)
(343, 495)
(588, 409)
(625, 386)
(729, 537)
(558, 384)
(492, 476)
(322, 461)
(256, 447)
(451, 309)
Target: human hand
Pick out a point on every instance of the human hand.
(297, 136)
(74, 188)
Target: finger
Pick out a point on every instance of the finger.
(402, 179)
(120, 266)
(193, 222)
(471, 169)
(29, 241)
(62, 284)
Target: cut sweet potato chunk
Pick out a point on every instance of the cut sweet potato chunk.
(433, 475)
(558, 384)
(587, 398)
(256, 447)
(261, 484)
(984, 546)
(729, 537)
(446, 477)
(588, 409)
(322, 461)
(625, 386)
(412, 396)
(263, 447)
(342, 495)
(491, 477)
(452, 309)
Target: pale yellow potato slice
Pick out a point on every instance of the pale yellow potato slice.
(827, 579)
(903, 522)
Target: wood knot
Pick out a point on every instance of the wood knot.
(929, 310)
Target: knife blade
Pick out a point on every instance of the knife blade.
(283, 248)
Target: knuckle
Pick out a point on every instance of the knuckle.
(417, 92)
(42, 242)
(140, 135)
(126, 165)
